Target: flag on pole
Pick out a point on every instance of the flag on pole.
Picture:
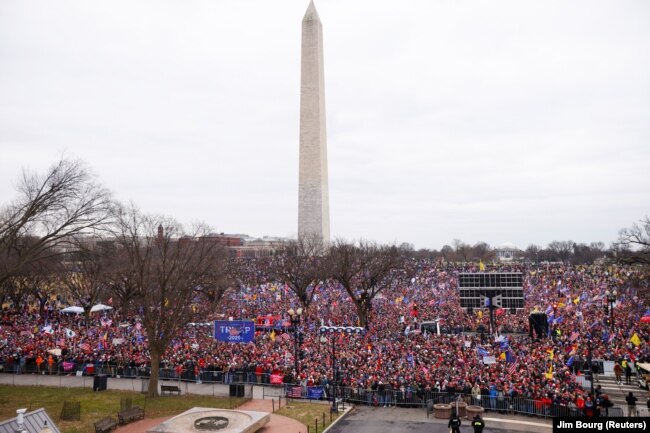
(70, 333)
(569, 363)
(635, 340)
(481, 351)
(481, 266)
(549, 374)
(551, 354)
(273, 335)
(513, 368)
(574, 336)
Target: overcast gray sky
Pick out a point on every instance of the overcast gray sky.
(520, 121)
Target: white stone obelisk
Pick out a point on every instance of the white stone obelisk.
(313, 195)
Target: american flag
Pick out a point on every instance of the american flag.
(294, 391)
(85, 347)
(60, 342)
(513, 368)
(574, 336)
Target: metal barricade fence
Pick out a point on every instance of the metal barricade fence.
(418, 398)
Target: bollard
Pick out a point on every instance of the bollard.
(316, 422)
(273, 405)
(324, 418)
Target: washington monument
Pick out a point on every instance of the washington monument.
(313, 195)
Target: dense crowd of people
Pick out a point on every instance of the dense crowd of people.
(394, 353)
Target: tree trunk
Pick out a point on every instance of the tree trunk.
(155, 365)
(362, 312)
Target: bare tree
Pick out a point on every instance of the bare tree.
(364, 270)
(532, 253)
(36, 279)
(447, 253)
(300, 265)
(168, 271)
(633, 243)
(482, 251)
(461, 249)
(633, 248)
(51, 210)
(561, 250)
(84, 273)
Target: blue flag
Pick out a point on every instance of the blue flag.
(315, 392)
(481, 351)
(569, 363)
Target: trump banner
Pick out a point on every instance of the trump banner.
(235, 331)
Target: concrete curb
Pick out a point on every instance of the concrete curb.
(343, 415)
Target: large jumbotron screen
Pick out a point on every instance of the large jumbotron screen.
(473, 285)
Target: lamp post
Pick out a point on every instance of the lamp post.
(295, 316)
(589, 363)
(611, 299)
(332, 330)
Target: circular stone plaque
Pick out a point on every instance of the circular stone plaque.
(211, 423)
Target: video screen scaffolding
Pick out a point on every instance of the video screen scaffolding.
(500, 290)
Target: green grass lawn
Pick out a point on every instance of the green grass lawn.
(96, 405)
(306, 413)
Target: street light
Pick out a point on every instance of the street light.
(589, 363)
(295, 316)
(331, 330)
(611, 299)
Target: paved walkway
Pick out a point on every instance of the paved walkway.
(278, 423)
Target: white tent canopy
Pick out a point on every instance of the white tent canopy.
(100, 307)
(76, 310)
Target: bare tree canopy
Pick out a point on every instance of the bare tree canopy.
(51, 210)
(300, 265)
(364, 270)
(633, 243)
(84, 271)
(167, 271)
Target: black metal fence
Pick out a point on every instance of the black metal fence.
(427, 399)
(129, 372)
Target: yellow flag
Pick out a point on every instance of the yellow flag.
(635, 340)
(481, 266)
(273, 335)
(503, 355)
(549, 374)
(480, 314)
(551, 355)
(576, 300)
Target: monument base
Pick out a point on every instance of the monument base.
(207, 420)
